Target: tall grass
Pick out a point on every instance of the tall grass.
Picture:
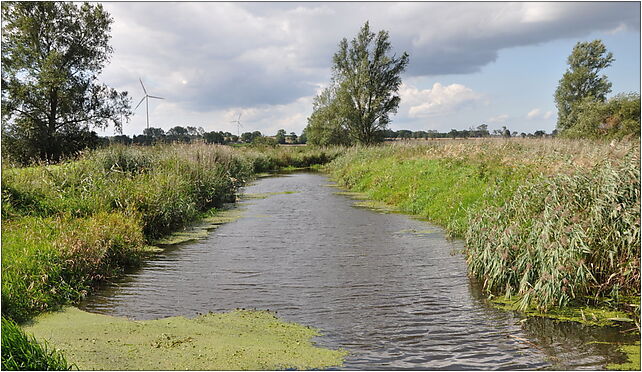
(562, 238)
(552, 221)
(68, 226)
(23, 353)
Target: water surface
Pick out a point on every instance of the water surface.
(391, 290)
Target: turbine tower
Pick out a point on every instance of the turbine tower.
(238, 125)
(146, 99)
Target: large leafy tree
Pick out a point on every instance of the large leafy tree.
(326, 125)
(582, 81)
(365, 82)
(52, 53)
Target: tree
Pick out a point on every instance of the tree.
(293, 137)
(52, 53)
(616, 118)
(582, 81)
(326, 125)
(362, 93)
(369, 79)
(280, 136)
(214, 137)
(157, 134)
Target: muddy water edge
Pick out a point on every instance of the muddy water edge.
(391, 290)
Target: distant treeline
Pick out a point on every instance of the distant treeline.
(480, 131)
(191, 134)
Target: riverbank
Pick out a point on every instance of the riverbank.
(549, 222)
(68, 227)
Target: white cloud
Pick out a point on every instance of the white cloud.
(537, 113)
(499, 119)
(439, 100)
(534, 113)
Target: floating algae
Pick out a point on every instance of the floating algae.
(592, 316)
(265, 195)
(200, 230)
(238, 340)
(633, 355)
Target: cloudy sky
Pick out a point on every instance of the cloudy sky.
(470, 63)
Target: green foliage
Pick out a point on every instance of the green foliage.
(23, 353)
(582, 81)
(362, 94)
(280, 136)
(267, 141)
(617, 118)
(326, 125)
(562, 238)
(442, 190)
(51, 55)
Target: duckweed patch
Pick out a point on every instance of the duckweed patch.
(592, 316)
(633, 354)
(265, 195)
(238, 340)
(212, 220)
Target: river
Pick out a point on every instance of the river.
(390, 289)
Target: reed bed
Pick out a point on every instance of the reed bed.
(552, 221)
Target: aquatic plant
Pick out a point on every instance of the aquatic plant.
(562, 238)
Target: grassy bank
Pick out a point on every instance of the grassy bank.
(69, 226)
(554, 222)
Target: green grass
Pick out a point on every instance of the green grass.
(21, 352)
(552, 222)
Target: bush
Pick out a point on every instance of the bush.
(616, 118)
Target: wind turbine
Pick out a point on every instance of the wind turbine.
(146, 99)
(238, 125)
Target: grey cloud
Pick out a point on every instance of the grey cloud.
(245, 54)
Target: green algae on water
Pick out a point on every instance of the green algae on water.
(265, 195)
(238, 340)
(633, 354)
(593, 316)
(210, 221)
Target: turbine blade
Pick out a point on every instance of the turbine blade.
(141, 84)
(155, 97)
(239, 119)
(141, 101)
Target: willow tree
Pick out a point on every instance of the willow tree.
(52, 53)
(366, 79)
(582, 82)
